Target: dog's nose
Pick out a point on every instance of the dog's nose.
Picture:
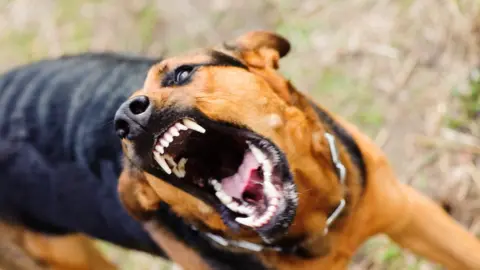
(132, 117)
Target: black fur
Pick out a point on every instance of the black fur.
(60, 157)
(221, 59)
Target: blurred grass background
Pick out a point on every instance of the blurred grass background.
(404, 71)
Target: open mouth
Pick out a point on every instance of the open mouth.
(243, 175)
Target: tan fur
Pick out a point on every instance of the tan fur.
(12, 254)
(250, 98)
(27, 250)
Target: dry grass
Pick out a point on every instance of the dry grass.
(398, 69)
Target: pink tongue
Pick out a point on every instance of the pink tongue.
(235, 185)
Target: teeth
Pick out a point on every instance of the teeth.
(170, 160)
(178, 168)
(247, 210)
(216, 185)
(257, 153)
(233, 206)
(182, 163)
(274, 201)
(267, 168)
(180, 126)
(164, 143)
(168, 137)
(174, 131)
(271, 193)
(224, 198)
(193, 125)
(269, 189)
(178, 172)
(246, 221)
(161, 161)
(159, 148)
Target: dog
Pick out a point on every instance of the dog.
(258, 168)
(60, 160)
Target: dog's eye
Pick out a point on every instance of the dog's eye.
(182, 74)
(178, 76)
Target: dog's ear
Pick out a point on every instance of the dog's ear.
(259, 49)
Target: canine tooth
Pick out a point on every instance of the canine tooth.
(247, 221)
(179, 172)
(181, 126)
(178, 168)
(193, 125)
(170, 160)
(168, 137)
(159, 149)
(269, 189)
(182, 163)
(174, 131)
(257, 153)
(267, 167)
(164, 143)
(161, 161)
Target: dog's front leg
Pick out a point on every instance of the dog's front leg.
(430, 232)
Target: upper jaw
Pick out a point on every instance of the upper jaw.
(176, 148)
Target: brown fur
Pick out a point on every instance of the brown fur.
(12, 254)
(253, 98)
(22, 249)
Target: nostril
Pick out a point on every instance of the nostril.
(139, 105)
(122, 127)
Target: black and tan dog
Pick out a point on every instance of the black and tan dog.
(60, 160)
(257, 167)
(254, 176)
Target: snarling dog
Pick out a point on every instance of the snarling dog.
(257, 167)
(60, 160)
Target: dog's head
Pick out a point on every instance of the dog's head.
(229, 144)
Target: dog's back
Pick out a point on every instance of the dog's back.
(59, 156)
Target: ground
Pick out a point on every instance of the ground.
(403, 71)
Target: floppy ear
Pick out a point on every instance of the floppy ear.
(259, 49)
